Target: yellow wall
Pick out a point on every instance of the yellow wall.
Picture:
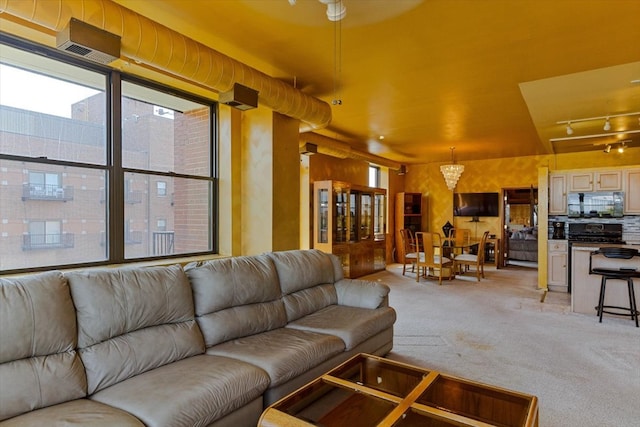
(285, 189)
(495, 174)
(322, 167)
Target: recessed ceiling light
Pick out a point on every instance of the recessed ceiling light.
(381, 137)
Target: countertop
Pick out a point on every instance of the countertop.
(585, 287)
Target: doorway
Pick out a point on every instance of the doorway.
(520, 227)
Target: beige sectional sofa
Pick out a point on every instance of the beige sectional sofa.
(212, 343)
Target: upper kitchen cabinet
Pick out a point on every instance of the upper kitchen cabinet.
(595, 181)
(631, 180)
(557, 194)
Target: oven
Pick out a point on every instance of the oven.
(592, 233)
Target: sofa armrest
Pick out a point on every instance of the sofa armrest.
(362, 293)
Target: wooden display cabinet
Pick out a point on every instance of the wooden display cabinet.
(350, 222)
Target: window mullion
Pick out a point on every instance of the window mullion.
(115, 187)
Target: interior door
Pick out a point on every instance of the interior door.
(520, 215)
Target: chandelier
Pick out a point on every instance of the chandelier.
(452, 172)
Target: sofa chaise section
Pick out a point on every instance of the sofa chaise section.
(242, 316)
(318, 298)
(143, 351)
(281, 311)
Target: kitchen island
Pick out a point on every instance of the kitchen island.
(585, 287)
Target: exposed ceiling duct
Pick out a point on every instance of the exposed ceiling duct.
(333, 147)
(147, 42)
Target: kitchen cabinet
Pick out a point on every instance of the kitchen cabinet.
(557, 256)
(631, 182)
(350, 222)
(595, 181)
(557, 194)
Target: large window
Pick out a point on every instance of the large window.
(76, 190)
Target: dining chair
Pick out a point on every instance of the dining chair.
(476, 260)
(431, 258)
(461, 240)
(409, 252)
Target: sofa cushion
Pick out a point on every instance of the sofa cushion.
(353, 325)
(236, 297)
(80, 412)
(310, 300)
(131, 320)
(237, 322)
(283, 353)
(190, 392)
(39, 366)
(230, 282)
(361, 293)
(338, 270)
(302, 269)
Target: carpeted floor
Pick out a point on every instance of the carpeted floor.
(498, 332)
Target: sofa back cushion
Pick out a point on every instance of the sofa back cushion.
(302, 269)
(131, 320)
(39, 366)
(307, 280)
(236, 297)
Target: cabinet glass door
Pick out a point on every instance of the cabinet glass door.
(323, 216)
(366, 216)
(353, 215)
(341, 215)
(379, 217)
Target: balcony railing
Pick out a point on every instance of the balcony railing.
(132, 197)
(47, 241)
(46, 192)
(163, 242)
(133, 237)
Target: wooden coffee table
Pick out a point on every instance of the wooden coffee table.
(369, 390)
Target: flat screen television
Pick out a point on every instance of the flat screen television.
(476, 204)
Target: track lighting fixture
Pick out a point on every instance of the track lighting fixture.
(569, 129)
(622, 147)
(607, 148)
(607, 124)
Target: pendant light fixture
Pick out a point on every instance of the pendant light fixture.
(452, 172)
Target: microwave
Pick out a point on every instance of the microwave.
(599, 204)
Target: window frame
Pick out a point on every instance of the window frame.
(113, 169)
(374, 170)
(161, 188)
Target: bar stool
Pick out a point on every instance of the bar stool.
(616, 270)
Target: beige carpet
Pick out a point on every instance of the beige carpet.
(498, 332)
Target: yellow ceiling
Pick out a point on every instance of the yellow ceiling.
(490, 77)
